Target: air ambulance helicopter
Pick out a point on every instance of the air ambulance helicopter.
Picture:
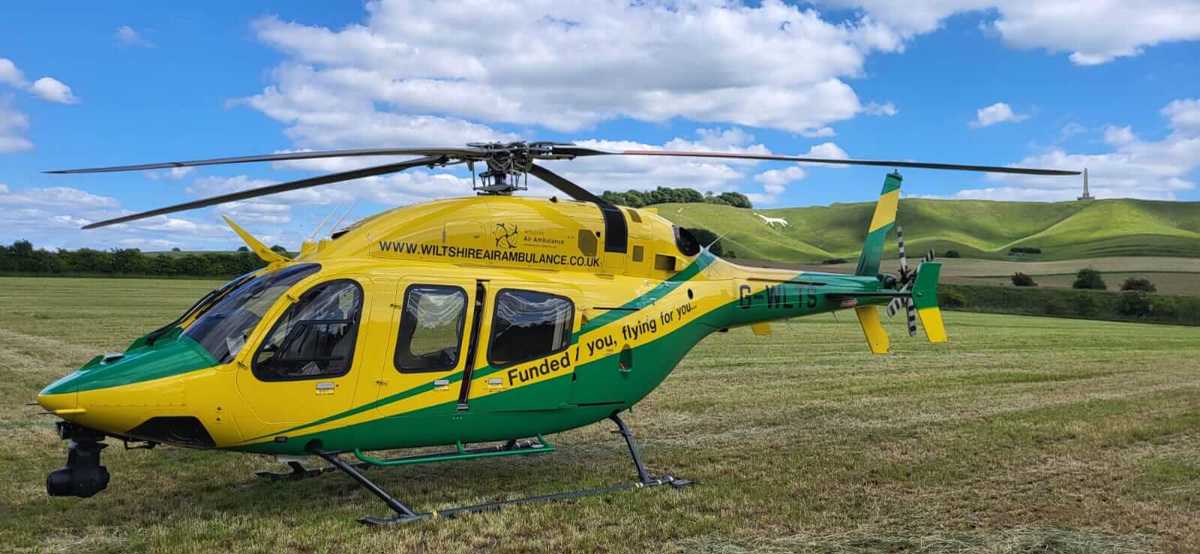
(462, 322)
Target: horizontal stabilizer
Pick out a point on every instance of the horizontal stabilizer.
(265, 254)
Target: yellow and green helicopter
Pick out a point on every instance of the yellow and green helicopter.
(466, 321)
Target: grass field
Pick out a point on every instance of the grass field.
(1021, 435)
(976, 228)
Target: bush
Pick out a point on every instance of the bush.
(1141, 284)
(951, 254)
(1085, 305)
(834, 261)
(1024, 250)
(1022, 280)
(22, 258)
(1089, 278)
(1135, 304)
(952, 299)
(1055, 306)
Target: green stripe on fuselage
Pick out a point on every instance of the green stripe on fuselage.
(662, 289)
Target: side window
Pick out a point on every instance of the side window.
(315, 337)
(529, 325)
(431, 328)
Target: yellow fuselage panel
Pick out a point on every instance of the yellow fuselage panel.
(507, 232)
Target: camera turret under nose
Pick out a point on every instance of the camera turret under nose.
(83, 476)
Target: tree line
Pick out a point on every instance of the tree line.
(21, 257)
(665, 195)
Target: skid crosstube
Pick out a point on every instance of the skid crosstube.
(405, 514)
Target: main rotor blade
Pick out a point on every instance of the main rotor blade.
(285, 156)
(278, 188)
(582, 151)
(561, 183)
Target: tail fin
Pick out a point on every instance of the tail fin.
(877, 339)
(881, 224)
(926, 302)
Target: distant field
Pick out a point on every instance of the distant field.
(1170, 275)
(975, 228)
(1021, 435)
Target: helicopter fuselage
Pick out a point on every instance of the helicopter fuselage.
(456, 321)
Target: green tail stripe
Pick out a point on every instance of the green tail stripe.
(872, 252)
(873, 245)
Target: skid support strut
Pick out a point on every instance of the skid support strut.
(622, 429)
(405, 514)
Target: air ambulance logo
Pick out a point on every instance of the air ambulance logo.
(505, 235)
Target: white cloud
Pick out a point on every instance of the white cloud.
(10, 74)
(996, 113)
(1119, 136)
(409, 73)
(173, 174)
(775, 181)
(1133, 168)
(885, 109)
(128, 36)
(1184, 114)
(51, 217)
(53, 90)
(46, 88)
(13, 125)
(1093, 31)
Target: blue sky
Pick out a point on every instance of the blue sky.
(1099, 84)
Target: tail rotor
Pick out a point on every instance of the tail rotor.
(905, 282)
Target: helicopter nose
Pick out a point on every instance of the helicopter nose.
(65, 403)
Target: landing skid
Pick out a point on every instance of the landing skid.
(405, 514)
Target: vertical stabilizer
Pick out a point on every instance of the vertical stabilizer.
(926, 301)
(881, 224)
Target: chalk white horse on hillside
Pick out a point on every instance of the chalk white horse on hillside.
(772, 221)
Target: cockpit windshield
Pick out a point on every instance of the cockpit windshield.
(224, 327)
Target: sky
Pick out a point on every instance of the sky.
(1109, 85)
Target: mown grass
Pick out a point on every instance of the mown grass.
(976, 228)
(1021, 435)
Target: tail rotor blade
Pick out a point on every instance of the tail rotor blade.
(912, 317)
(894, 306)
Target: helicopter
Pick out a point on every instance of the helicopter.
(482, 323)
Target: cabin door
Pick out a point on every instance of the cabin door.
(306, 366)
(525, 355)
(432, 330)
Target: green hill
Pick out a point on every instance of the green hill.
(975, 228)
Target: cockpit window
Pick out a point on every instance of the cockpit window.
(315, 336)
(686, 242)
(224, 327)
